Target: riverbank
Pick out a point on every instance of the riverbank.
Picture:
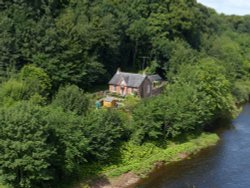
(135, 162)
(224, 165)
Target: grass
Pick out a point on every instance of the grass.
(141, 159)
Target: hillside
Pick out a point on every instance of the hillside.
(55, 52)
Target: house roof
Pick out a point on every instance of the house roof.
(154, 78)
(131, 79)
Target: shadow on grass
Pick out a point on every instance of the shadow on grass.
(183, 138)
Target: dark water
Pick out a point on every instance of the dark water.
(226, 165)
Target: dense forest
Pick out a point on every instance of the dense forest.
(54, 52)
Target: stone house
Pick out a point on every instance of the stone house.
(124, 83)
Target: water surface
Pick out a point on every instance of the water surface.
(226, 165)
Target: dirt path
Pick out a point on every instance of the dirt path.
(123, 181)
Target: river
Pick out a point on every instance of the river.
(226, 165)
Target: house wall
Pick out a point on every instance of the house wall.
(127, 90)
(111, 88)
(145, 89)
(115, 89)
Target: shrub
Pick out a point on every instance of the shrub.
(72, 99)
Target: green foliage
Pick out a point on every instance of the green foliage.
(181, 54)
(210, 80)
(104, 129)
(76, 41)
(36, 80)
(39, 145)
(79, 44)
(241, 91)
(200, 93)
(130, 102)
(13, 89)
(16, 90)
(31, 83)
(148, 121)
(140, 159)
(229, 52)
(72, 99)
(67, 138)
(185, 111)
(25, 154)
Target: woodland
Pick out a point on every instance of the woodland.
(54, 53)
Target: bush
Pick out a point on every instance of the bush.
(32, 83)
(13, 89)
(72, 99)
(36, 80)
(241, 91)
(105, 130)
(25, 153)
(39, 145)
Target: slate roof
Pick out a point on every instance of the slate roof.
(131, 79)
(154, 78)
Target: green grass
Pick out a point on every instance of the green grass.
(141, 159)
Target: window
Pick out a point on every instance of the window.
(148, 91)
(114, 88)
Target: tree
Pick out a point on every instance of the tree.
(181, 54)
(212, 89)
(40, 145)
(228, 51)
(36, 80)
(67, 137)
(72, 99)
(199, 94)
(104, 129)
(148, 121)
(32, 83)
(25, 154)
(241, 90)
(185, 110)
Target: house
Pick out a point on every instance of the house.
(124, 83)
(155, 79)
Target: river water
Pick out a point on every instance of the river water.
(226, 165)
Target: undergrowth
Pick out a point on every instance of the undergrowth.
(140, 159)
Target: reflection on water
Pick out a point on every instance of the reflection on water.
(226, 165)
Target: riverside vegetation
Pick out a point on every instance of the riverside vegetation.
(53, 52)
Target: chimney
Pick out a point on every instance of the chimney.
(118, 71)
(144, 73)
